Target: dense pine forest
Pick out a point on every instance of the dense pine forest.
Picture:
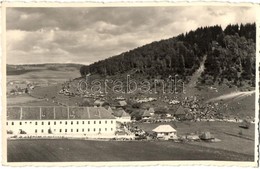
(230, 56)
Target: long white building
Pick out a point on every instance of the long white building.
(60, 121)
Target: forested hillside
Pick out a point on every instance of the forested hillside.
(230, 56)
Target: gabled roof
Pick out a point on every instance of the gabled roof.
(180, 111)
(58, 113)
(120, 113)
(151, 110)
(164, 129)
(110, 110)
(173, 109)
(99, 102)
(146, 113)
(122, 103)
(114, 103)
(125, 114)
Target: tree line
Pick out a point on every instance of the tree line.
(230, 56)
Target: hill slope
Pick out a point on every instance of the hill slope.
(231, 56)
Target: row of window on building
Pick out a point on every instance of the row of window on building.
(77, 130)
(61, 122)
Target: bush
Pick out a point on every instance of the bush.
(136, 105)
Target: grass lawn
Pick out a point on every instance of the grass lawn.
(227, 132)
(26, 100)
(82, 150)
(21, 99)
(45, 75)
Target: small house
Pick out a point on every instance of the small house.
(110, 110)
(122, 103)
(146, 115)
(98, 103)
(122, 116)
(180, 113)
(151, 110)
(165, 132)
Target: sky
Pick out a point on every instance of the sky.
(87, 35)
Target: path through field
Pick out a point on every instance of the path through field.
(233, 96)
(190, 87)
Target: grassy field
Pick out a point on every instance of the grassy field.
(227, 132)
(82, 150)
(233, 147)
(49, 77)
(42, 75)
(20, 99)
(26, 100)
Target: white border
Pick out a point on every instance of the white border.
(107, 3)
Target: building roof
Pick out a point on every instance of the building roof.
(99, 103)
(180, 111)
(110, 110)
(58, 113)
(122, 103)
(120, 113)
(164, 129)
(151, 110)
(146, 113)
(126, 114)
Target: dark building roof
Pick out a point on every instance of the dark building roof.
(180, 111)
(146, 113)
(110, 110)
(58, 113)
(120, 113)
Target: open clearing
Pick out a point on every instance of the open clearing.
(20, 99)
(27, 100)
(82, 150)
(40, 75)
(227, 132)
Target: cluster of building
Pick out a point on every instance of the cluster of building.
(145, 100)
(18, 88)
(168, 115)
(74, 121)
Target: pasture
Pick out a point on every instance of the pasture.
(227, 132)
(91, 151)
(20, 99)
(40, 75)
(27, 100)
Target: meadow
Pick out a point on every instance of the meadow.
(232, 147)
(227, 132)
(91, 151)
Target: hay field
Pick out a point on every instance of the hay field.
(83, 150)
(227, 132)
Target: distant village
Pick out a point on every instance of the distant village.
(87, 123)
(111, 118)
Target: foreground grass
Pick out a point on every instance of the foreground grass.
(82, 150)
(227, 132)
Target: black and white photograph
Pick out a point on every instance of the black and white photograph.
(131, 83)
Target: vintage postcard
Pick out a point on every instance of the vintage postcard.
(130, 84)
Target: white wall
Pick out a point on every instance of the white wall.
(123, 119)
(88, 127)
